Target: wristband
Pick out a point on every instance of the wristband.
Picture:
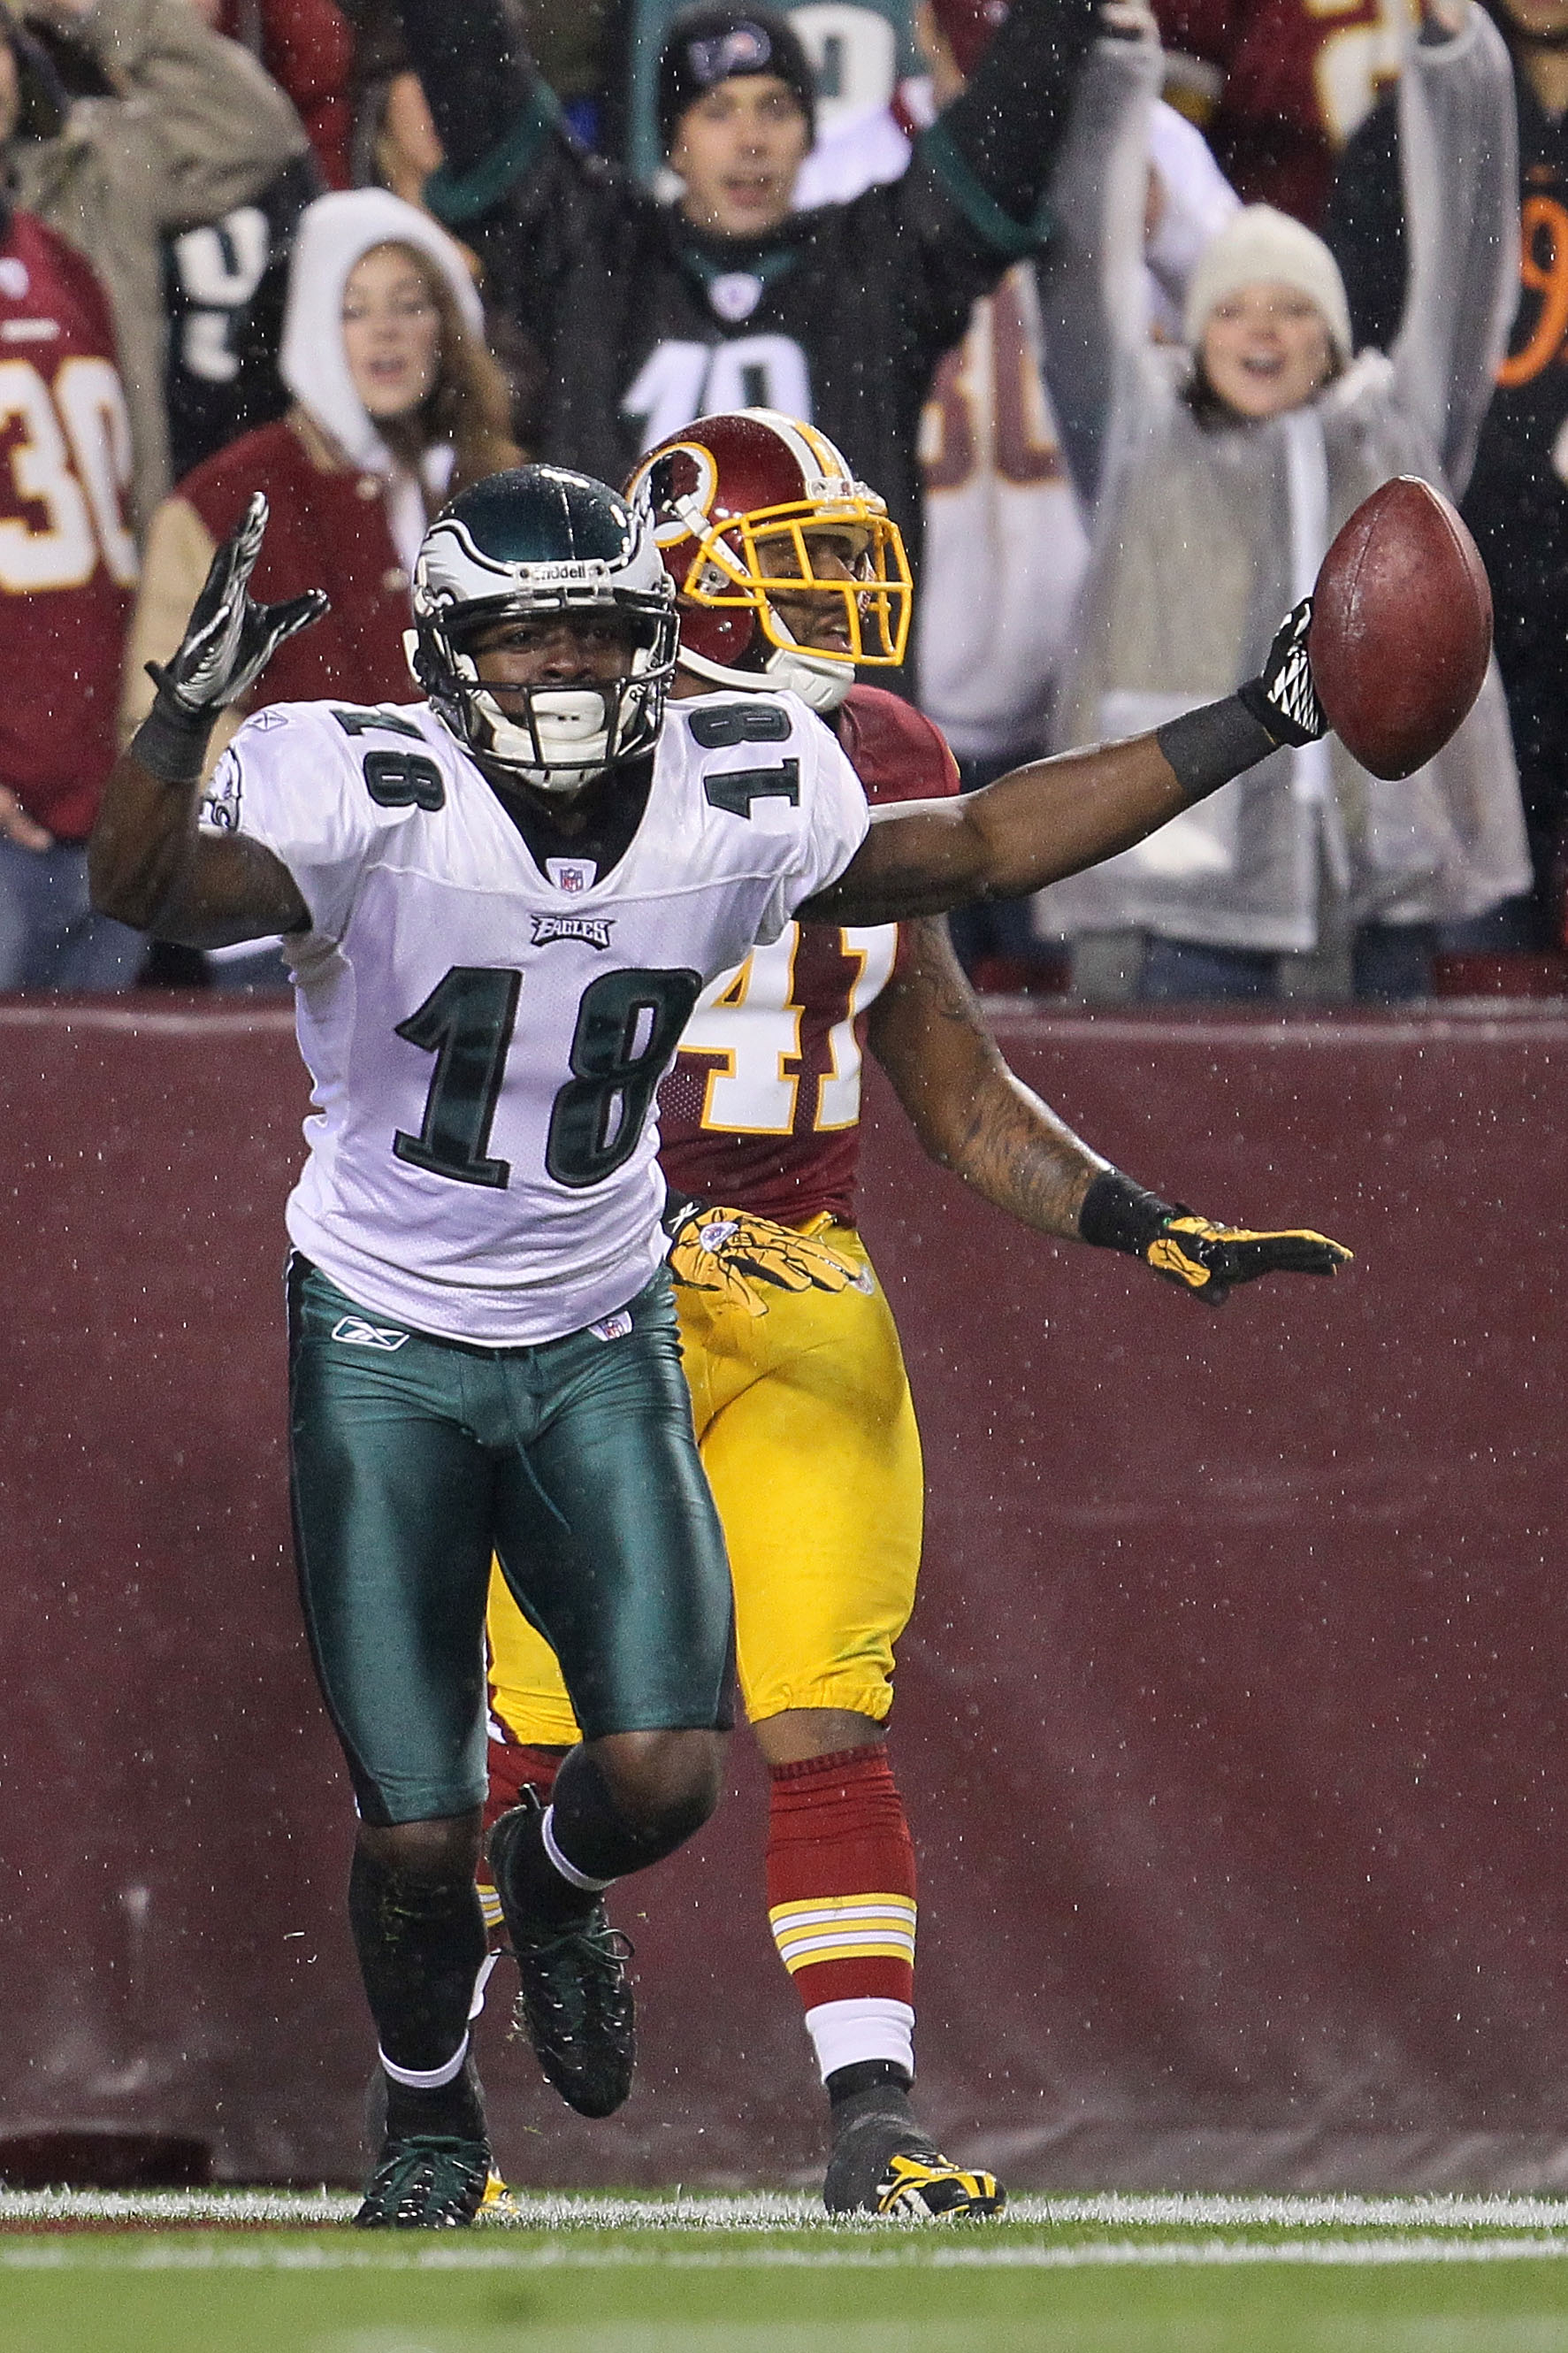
(677, 1207)
(1117, 1214)
(171, 743)
(1205, 748)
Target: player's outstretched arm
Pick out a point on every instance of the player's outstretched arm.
(1055, 816)
(976, 1116)
(147, 863)
(973, 1114)
(1204, 1260)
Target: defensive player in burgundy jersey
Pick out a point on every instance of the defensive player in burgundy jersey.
(68, 565)
(789, 574)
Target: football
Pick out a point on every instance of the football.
(1402, 626)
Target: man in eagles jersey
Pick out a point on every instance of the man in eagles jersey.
(803, 1416)
(501, 906)
(648, 313)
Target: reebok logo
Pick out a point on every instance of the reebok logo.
(355, 1333)
(595, 929)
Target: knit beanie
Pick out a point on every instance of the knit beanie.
(706, 45)
(1258, 243)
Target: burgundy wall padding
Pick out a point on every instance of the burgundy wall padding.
(1231, 1720)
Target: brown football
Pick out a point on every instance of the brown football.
(1402, 626)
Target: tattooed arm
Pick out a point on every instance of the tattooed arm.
(974, 1116)
(967, 1108)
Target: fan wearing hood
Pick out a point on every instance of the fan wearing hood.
(396, 404)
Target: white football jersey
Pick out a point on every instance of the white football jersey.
(486, 1039)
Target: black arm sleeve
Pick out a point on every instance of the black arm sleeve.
(474, 63)
(995, 148)
(1364, 228)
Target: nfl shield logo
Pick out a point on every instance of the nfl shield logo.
(572, 875)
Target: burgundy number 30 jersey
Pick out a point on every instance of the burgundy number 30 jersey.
(67, 560)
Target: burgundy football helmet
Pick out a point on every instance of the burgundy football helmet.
(738, 502)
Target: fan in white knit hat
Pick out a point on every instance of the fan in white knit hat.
(1260, 246)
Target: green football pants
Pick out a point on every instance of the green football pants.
(413, 1458)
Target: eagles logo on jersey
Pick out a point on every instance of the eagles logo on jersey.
(521, 545)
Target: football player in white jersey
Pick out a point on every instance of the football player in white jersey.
(500, 905)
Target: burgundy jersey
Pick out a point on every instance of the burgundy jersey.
(761, 1111)
(67, 561)
(1295, 79)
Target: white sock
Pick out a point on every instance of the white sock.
(569, 1870)
(427, 2078)
(845, 2033)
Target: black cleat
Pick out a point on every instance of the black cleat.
(435, 2183)
(882, 2163)
(574, 2001)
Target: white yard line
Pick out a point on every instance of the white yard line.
(493, 2252)
(774, 2210)
(1163, 2208)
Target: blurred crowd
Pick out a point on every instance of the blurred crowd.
(1122, 311)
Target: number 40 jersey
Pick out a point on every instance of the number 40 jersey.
(486, 1035)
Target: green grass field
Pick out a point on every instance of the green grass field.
(246, 2272)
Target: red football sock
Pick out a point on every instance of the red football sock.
(509, 1765)
(841, 1902)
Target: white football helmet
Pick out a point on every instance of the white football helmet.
(534, 540)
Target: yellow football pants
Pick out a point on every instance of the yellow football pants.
(807, 1434)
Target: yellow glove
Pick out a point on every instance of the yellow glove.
(732, 1254)
(1209, 1260)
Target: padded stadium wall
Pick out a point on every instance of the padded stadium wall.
(1230, 1721)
